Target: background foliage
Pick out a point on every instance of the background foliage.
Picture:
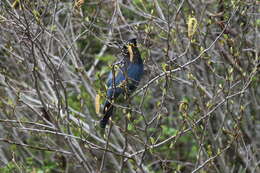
(196, 109)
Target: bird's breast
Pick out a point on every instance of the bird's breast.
(135, 71)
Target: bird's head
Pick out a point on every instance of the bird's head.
(131, 42)
(130, 50)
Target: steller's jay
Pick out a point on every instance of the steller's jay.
(126, 80)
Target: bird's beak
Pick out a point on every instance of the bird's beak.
(131, 54)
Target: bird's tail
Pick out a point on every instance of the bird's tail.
(107, 111)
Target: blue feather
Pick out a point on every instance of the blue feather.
(124, 82)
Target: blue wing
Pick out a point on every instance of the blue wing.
(133, 72)
(114, 90)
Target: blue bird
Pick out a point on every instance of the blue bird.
(126, 80)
